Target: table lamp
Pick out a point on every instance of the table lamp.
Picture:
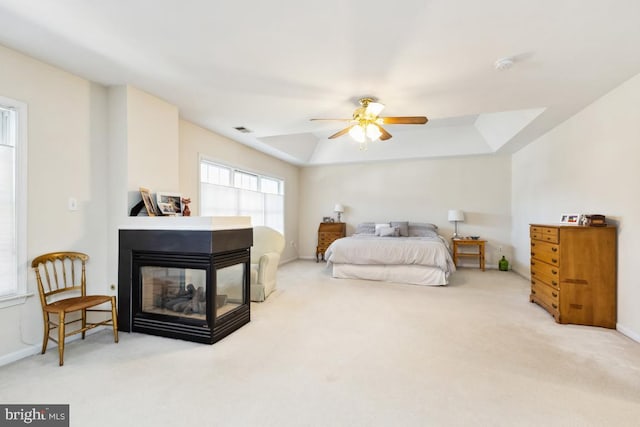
(338, 208)
(456, 216)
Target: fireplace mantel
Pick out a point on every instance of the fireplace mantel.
(209, 248)
(210, 223)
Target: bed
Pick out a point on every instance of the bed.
(402, 252)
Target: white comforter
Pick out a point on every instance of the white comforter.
(368, 249)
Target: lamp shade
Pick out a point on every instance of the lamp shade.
(338, 208)
(456, 215)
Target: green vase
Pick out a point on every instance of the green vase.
(503, 264)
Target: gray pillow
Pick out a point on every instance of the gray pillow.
(422, 229)
(403, 227)
(366, 228)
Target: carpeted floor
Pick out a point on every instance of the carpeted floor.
(334, 352)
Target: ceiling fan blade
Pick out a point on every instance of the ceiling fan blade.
(339, 134)
(414, 120)
(333, 120)
(385, 135)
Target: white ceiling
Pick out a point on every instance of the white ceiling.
(271, 66)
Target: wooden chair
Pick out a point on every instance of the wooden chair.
(62, 286)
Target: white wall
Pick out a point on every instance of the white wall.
(196, 141)
(415, 190)
(588, 164)
(67, 133)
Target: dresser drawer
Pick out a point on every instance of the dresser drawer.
(546, 292)
(328, 237)
(547, 252)
(546, 297)
(547, 273)
(547, 234)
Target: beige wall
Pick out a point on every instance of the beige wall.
(143, 152)
(67, 134)
(588, 165)
(196, 141)
(415, 190)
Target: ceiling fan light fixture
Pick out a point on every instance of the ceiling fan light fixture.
(357, 132)
(375, 108)
(373, 132)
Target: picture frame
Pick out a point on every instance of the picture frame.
(169, 203)
(571, 218)
(326, 219)
(148, 201)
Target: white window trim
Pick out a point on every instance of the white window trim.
(210, 159)
(21, 203)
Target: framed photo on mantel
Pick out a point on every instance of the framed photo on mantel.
(148, 201)
(169, 203)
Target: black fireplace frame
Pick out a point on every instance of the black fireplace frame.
(199, 249)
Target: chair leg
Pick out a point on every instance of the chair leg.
(61, 337)
(114, 318)
(45, 340)
(84, 322)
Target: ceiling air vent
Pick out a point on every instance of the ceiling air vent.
(243, 129)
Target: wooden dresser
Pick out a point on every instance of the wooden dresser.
(573, 273)
(327, 233)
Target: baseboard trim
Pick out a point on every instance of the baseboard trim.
(37, 348)
(628, 332)
(20, 354)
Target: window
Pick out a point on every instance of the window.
(227, 191)
(13, 213)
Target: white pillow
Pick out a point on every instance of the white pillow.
(387, 231)
(379, 226)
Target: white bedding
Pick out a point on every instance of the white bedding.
(416, 260)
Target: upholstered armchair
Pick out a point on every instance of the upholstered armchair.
(268, 244)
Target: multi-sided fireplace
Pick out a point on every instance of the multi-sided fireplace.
(191, 284)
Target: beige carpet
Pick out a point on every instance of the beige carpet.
(334, 352)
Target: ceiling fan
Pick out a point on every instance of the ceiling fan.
(366, 123)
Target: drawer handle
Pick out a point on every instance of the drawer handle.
(533, 282)
(533, 244)
(533, 273)
(554, 294)
(533, 254)
(554, 260)
(533, 263)
(554, 249)
(554, 283)
(533, 292)
(554, 306)
(554, 272)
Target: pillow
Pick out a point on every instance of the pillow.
(366, 228)
(379, 226)
(388, 231)
(422, 229)
(403, 227)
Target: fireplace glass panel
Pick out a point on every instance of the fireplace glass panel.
(230, 281)
(174, 291)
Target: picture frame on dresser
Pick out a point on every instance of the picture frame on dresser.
(571, 218)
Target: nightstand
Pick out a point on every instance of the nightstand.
(327, 233)
(460, 243)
